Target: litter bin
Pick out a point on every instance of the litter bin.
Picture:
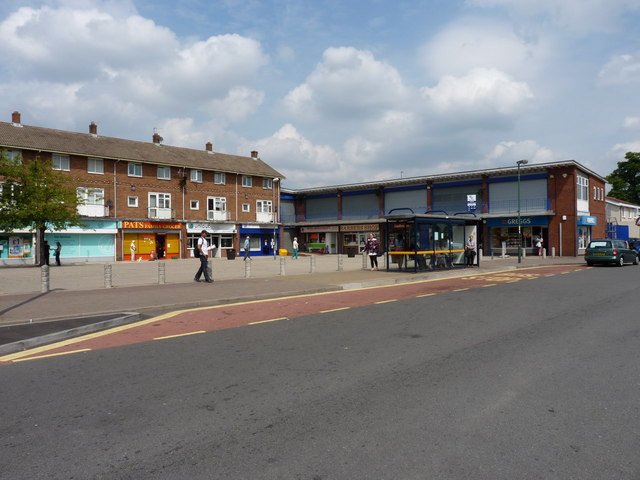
(351, 251)
(231, 254)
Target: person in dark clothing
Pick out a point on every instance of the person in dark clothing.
(372, 248)
(57, 252)
(47, 252)
(203, 248)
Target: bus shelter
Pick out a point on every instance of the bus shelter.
(429, 241)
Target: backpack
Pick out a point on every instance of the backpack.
(196, 251)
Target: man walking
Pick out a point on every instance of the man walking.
(57, 251)
(203, 250)
(247, 248)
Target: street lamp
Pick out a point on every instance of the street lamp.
(274, 209)
(520, 163)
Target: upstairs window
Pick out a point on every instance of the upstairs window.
(583, 188)
(95, 165)
(267, 183)
(219, 178)
(60, 162)
(196, 176)
(164, 173)
(247, 181)
(14, 156)
(135, 170)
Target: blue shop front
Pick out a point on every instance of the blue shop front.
(503, 234)
(263, 239)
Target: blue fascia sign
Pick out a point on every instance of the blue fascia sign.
(587, 220)
(513, 221)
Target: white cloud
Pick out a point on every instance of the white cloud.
(483, 94)
(620, 70)
(348, 83)
(479, 43)
(632, 123)
(509, 152)
(578, 15)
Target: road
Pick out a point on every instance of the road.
(532, 377)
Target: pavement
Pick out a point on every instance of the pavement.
(77, 301)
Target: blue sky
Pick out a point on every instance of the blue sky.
(333, 92)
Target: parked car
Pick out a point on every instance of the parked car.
(610, 251)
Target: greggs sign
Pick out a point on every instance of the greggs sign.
(151, 225)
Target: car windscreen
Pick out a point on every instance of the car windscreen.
(599, 244)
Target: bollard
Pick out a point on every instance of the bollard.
(247, 269)
(553, 251)
(44, 278)
(544, 253)
(524, 252)
(312, 264)
(161, 273)
(480, 254)
(364, 262)
(107, 276)
(282, 269)
(340, 262)
(210, 267)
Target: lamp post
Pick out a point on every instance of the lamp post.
(274, 209)
(520, 163)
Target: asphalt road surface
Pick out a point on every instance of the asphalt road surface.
(530, 379)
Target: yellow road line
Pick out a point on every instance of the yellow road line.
(385, 301)
(425, 295)
(168, 315)
(50, 355)
(180, 335)
(460, 289)
(267, 321)
(334, 310)
(489, 285)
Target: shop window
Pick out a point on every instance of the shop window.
(95, 165)
(135, 170)
(60, 162)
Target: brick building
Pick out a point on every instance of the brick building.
(157, 196)
(561, 202)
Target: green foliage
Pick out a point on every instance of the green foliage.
(625, 180)
(35, 196)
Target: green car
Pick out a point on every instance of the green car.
(610, 251)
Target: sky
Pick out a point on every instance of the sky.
(334, 92)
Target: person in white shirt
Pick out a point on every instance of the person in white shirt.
(203, 249)
(295, 247)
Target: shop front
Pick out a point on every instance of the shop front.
(94, 241)
(585, 223)
(16, 248)
(354, 237)
(263, 239)
(503, 234)
(220, 235)
(152, 240)
(319, 239)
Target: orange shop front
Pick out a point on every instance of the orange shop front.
(152, 240)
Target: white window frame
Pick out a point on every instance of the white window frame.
(582, 187)
(246, 207)
(14, 156)
(91, 196)
(132, 169)
(164, 173)
(61, 162)
(162, 205)
(247, 181)
(219, 204)
(220, 178)
(95, 166)
(267, 183)
(132, 201)
(194, 204)
(264, 206)
(196, 176)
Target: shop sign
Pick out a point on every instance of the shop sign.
(471, 203)
(587, 220)
(513, 221)
(210, 227)
(126, 224)
(319, 229)
(372, 227)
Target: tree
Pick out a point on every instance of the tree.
(35, 196)
(625, 179)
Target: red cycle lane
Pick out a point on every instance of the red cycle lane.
(209, 319)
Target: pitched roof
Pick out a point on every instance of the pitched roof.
(14, 136)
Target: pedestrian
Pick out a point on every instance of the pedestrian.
(247, 248)
(539, 244)
(57, 252)
(47, 252)
(203, 248)
(132, 250)
(295, 248)
(372, 247)
(470, 251)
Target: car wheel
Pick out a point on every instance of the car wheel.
(635, 260)
(620, 261)
(590, 263)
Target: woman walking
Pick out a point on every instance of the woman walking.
(372, 248)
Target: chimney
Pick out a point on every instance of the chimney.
(93, 128)
(15, 118)
(209, 147)
(157, 138)
(254, 155)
